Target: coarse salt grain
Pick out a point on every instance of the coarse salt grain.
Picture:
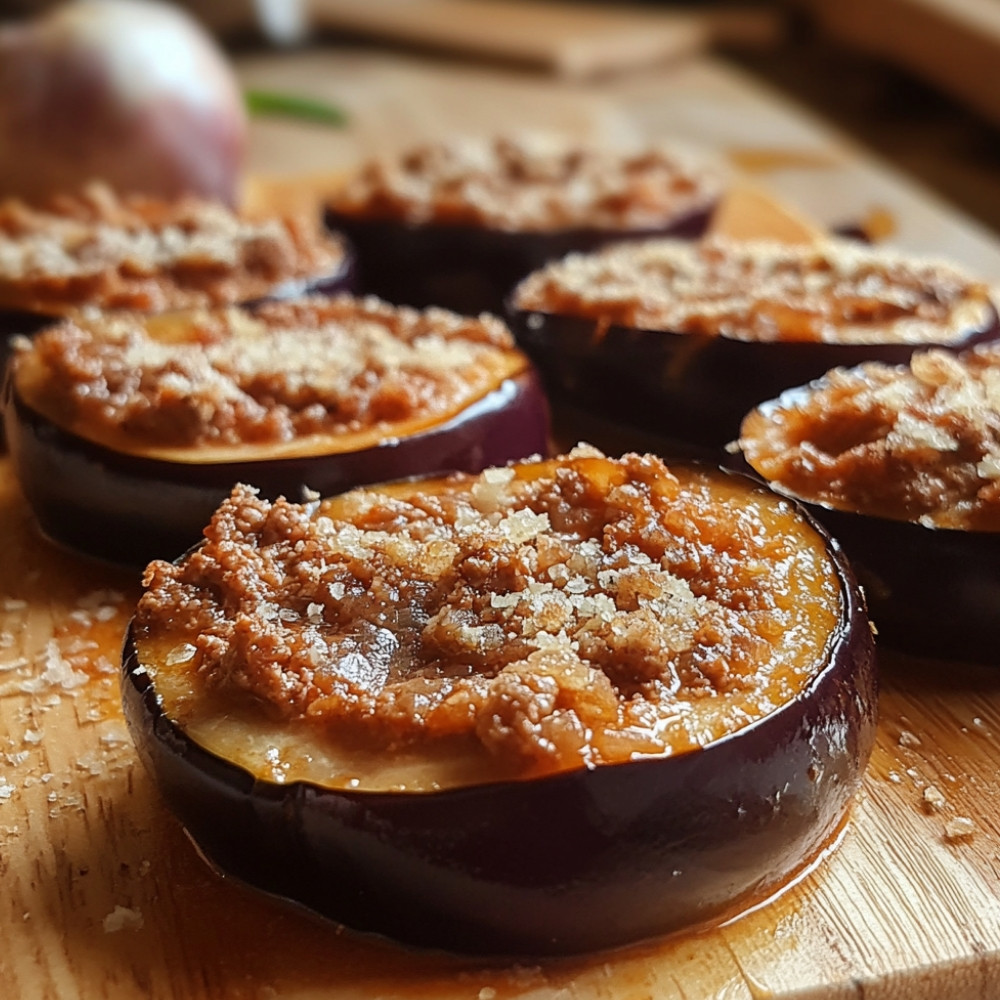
(113, 733)
(934, 799)
(58, 673)
(92, 763)
(498, 475)
(522, 525)
(959, 828)
(181, 653)
(122, 918)
(504, 600)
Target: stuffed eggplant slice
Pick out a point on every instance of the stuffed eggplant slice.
(558, 706)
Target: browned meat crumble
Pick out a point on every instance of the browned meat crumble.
(835, 291)
(918, 443)
(531, 183)
(101, 251)
(559, 613)
(282, 371)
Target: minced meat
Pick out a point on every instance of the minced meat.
(531, 183)
(558, 614)
(836, 291)
(96, 250)
(918, 443)
(282, 371)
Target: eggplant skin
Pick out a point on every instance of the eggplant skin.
(15, 322)
(691, 389)
(471, 269)
(129, 509)
(574, 862)
(931, 592)
(20, 321)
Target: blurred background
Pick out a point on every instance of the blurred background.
(917, 81)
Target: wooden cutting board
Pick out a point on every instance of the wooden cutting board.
(104, 898)
(565, 38)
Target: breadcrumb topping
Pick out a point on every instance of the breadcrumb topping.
(836, 291)
(531, 182)
(918, 443)
(101, 251)
(282, 371)
(557, 614)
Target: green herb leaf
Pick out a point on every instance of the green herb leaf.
(273, 104)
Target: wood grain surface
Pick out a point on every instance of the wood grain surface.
(104, 898)
(954, 44)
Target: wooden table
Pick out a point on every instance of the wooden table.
(104, 897)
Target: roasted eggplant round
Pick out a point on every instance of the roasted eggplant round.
(129, 462)
(684, 339)
(459, 224)
(901, 464)
(462, 766)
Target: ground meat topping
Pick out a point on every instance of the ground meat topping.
(531, 183)
(917, 444)
(836, 291)
(98, 250)
(282, 371)
(558, 613)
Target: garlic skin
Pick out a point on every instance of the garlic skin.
(132, 93)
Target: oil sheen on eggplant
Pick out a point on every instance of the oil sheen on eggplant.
(581, 858)
(128, 500)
